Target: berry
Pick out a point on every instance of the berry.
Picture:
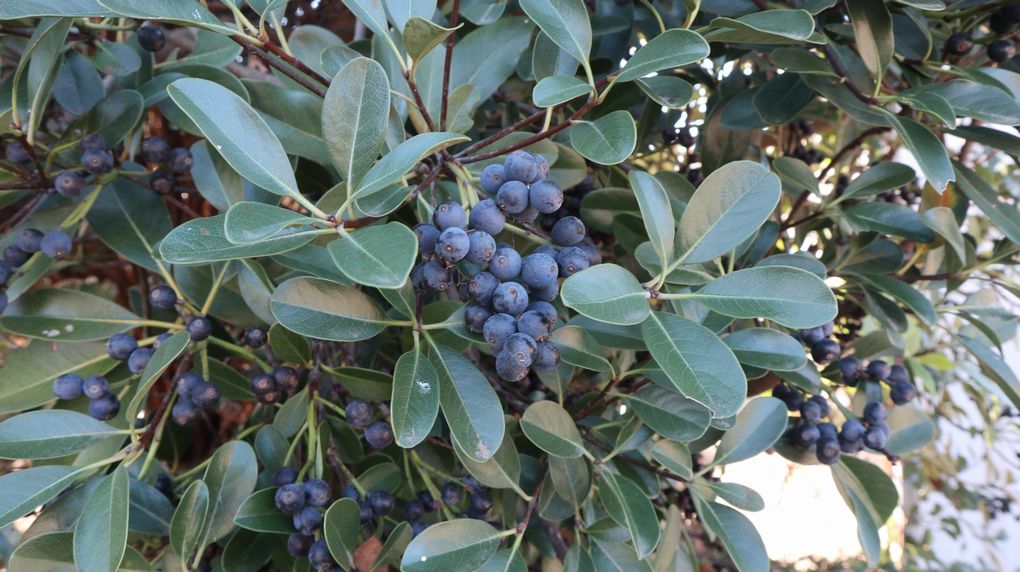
(521, 348)
(546, 310)
(254, 337)
(850, 368)
(285, 475)
(162, 297)
(827, 431)
(155, 150)
(475, 316)
(791, 397)
(139, 359)
(414, 510)
(95, 386)
(68, 386)
(805, 434)
(104, 408)
(359, 413)
(898, 374)
(427, 235)
(435, 276)
(510, 298)
(498, 328)
(366, 511)
(543, 166)
(546, 196)
(506, 263)
(567, 231)
(810, 410)
(286, 378)
(308, 520)
(1005, 19)
(97, 161)
(161, 338)
(6, 271)
(827, 450)
(56, 244)
(150, 37)
(381, 502)
(316, 492)
(547, 356)
(481, 286)
(451, 493)
(180, 160)
(120, 346)
(545, 294)
(852, 430)
(16, 153)
(486, 216)
(959, 44)
(187, 383)
(521, 166)
(185, 412)
(15, 256)
(533, 324)
(876, 437)
(492, 178)
(68, 183)
(1001, 51)
(453, 244)
(508, 368)
(379, 435)
(589, 248)
(199, 327)
(903, 392)
(512, 197)
(29, 239)
(427, 501)
(812, 336)
(825, 351)
(878, 369)
(206, 394)
(483, 247)
(162, 182)
(290, 499)
(539, 270)
(262, 384)
(93, 141)
(449, 215)
(480, 502)
(298, 545)
(875, 413)
(571, 260)
(319, 556)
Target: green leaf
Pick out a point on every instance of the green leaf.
(231, 477)
(100, 535)
(27, 376)
(675, 457)
(249, 222)
(737, 533)
(470, 405)
(763, 27)
(379, 255)
(414, 404)
(203, 240)
(933, 104)
(37, 8)
(371, 13)
(891, 218)
(557, 89)
(150, 510)
(340, 528)
(871, 495)
(116, 115)
(422, 35)
(670, 49)
(697, 362)
(994, 367)
(656, 213)
(288, 346)
(906, 295)
(461, 545)
(781, 99)
(66, 315)
(727, 208)
(401, 12)
(802, 260)
(911, 429)
(187, 527)
(766, 348)
(501, 471)
(795, 173)
(670, 414)
(571, 478)
(566, 22)
(482, 12)
(972, 99)
(608, 140)
(792, 297)
(943, 221)
(326, 310)
(1004, 215)
(578, 348)
(183, 12)
(78, 87)
(927, 149)
(873, 29)
(616, 557)
(606, 293)
(759, 425)
(23, 491)
(238, 132)
(131, 221)
(550, 428)
(627, 504)
(258, 512)
(48, 434)
(802, 61)
(54, 551)
(394, 546)
(475, 63)
(879, 179)
(362, 383)
(668, 91)
(399, 161)
(736, 494)
(354, 116)
(161, 359)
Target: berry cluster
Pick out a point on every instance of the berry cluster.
(169, 162)
(55, 244)
(103, 404)
(272, 387)
(374, 504)
(1003, 23)
(823, 348)
(479, 501)
(194, 394)
(901, 390)
(378, 434)
(304, 503)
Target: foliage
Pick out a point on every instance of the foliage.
(258, 317)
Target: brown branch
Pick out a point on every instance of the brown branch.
(857, 142)
(419, 103)
(523, 524)
(536, 137)
(275, 50)
(280, 66)
(830, 56)
(454, 17)
(17, 186)
(23, 212)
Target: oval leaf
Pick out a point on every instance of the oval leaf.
(606, 293)
(792, 297)
(414, 404)
(551, 429)
(326, 310)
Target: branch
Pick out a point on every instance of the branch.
(272, 47)
(454, 17)
(419, 103)
(838, 67)
(278, 65)
(536, 137)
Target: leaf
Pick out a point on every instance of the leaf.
(354, 116)
(238, 132)
(972, 99)
(54, 551)
(187, 527)
(231, 477)
(763, 27)
(371, 13)
(740, 496)
(943, 221)
(578, 348)
(873, 29)
(879, 179)
(258, 512)
(1005, 216)
(422, 35)
(606, 293)
(131, 221)
(737, 533)
(670, 414)
(759, 425)
(501, 471)
(891, 218)
(630, 508)
(557, 89)
(326, 310)
(994, 367)
(927, 149)
(379, 255)
(22, 491)
(469, 404)
(608, 140)
(802, 260)
(668, 91)
(66, 315)
(475, 63)
(78, 87)
(871, 495)
(781, 99)
(250, 222)
(394, 546)
(100, 535)
(565, 22)
(795, 173)
(792, 297)
(37, 8)
(675, 457)
(27, 376)
(482, 12)
(183, 12)
(911, 429)
(616, 557)
(399, 161)
(161, 359)
(113, 117)
(571, 478)
(697, 362)
(458, 545)
(656, 213)
(414, 404)
(340, 529)
(203, 240)
(50, 433)
(671, 49)
(288, 346)
(550, 428)
(150, 510)
(766, 348)
(906, 295)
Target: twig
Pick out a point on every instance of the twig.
(419, 103)
(454, 17)
(536, 137)
(278, 65)
(272, 47)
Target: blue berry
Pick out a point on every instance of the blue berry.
(567, 231)
(486, 216)
(93, 141)
(805, 434)
(521, 348)
(161, 338)
(850, 369)
(155, 150)
(812, 336)
(571, 260)
(545, 294)
(879, 369)
(97, 161)
(824, 351)
(95, 386)
(498, 328)
(120, 346)
(492, 178)
(413, 510)
(547, 310)
(56, 244)
(286, 378)
(298, 545)
(897, 374)
(821, 403)
(875, 413)
(285, 475)
(506, 263)
(539, 270)
(15, 256)
(475, 316)
(162, 182)
(150, 37)
(453, 244)
(350, 492)
(852, 430)
(184, 412)
(16, 153)
(547, 249)
(29, 239)
(902, 392)
(547, 356)
(359, 413)
(262, 383)
(876, 437)
(827, 431)
(308, 520)
(449, 215)
(427, 501)
(254, 337)
(199, 328)
(139, 359)
(104, 408)
(512, 197)
(180, 160)
(533, 324)
(5, 272)
(162, 297)
(481, 286)
(483, 247)
(68, 386)
(545, 196)
(379, 435)
(521, 166)
(381, 502)
(366, 511)
(320, 558)
(480, 502)
(68, 184)
(290, 499)
(827, 450)
(593, 252)
(510, 298)
(435, 276)
(508, 368)
(543, 166)
(451, 493)
(206, 395)
(427, 235)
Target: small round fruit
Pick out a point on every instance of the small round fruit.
(262, 384)
(497, 329)
(359, 413)
(546, 196)
(69, 184)
(427, 235)
(290, 499)
(93, 141)
(508, 368)
(104, 408)
(449, 215)
(1001, 51)
(879, 369)
(298, 545)
(29, 240)
(827, 450)
(254, 337)
(285, 475)
(959, 44)
(898, 374)
(487, 217)
(875, 413)
(95, 386)
(825, 351)
(413, 510)
(162, 182)
(453, 244)
(308, 520)
(199, 328)
(539, 270)
(547, 356)
(139, 359)
(521, 166)
(510, 298)
(56, 244)
(286, 378)
(483, 247)
(533, 324)
(97, 161)
(810, 411)
(521, 348)
(812, 336)
(187, 383)
(876, 437)
(150, 37)
(320, 558)
(15, 256)
(481, 286)
(16, 153)
(120, 346)
(379, 435)
(155, 150)
(547, 310)
(435, 276)
(545, 294)
(206, 394)
(6, 271)
(184, 412)
(512, 197)
(852, 430)
(382, 503)
(162, 297)
(180, 160)
(903, 392)
(805, 434)
(68, 386)
(492, 178)
(451, 493)
(571, 260)
(568, 231)
(506, 263)
(316, 492)
(850, 369)
(475, 316)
